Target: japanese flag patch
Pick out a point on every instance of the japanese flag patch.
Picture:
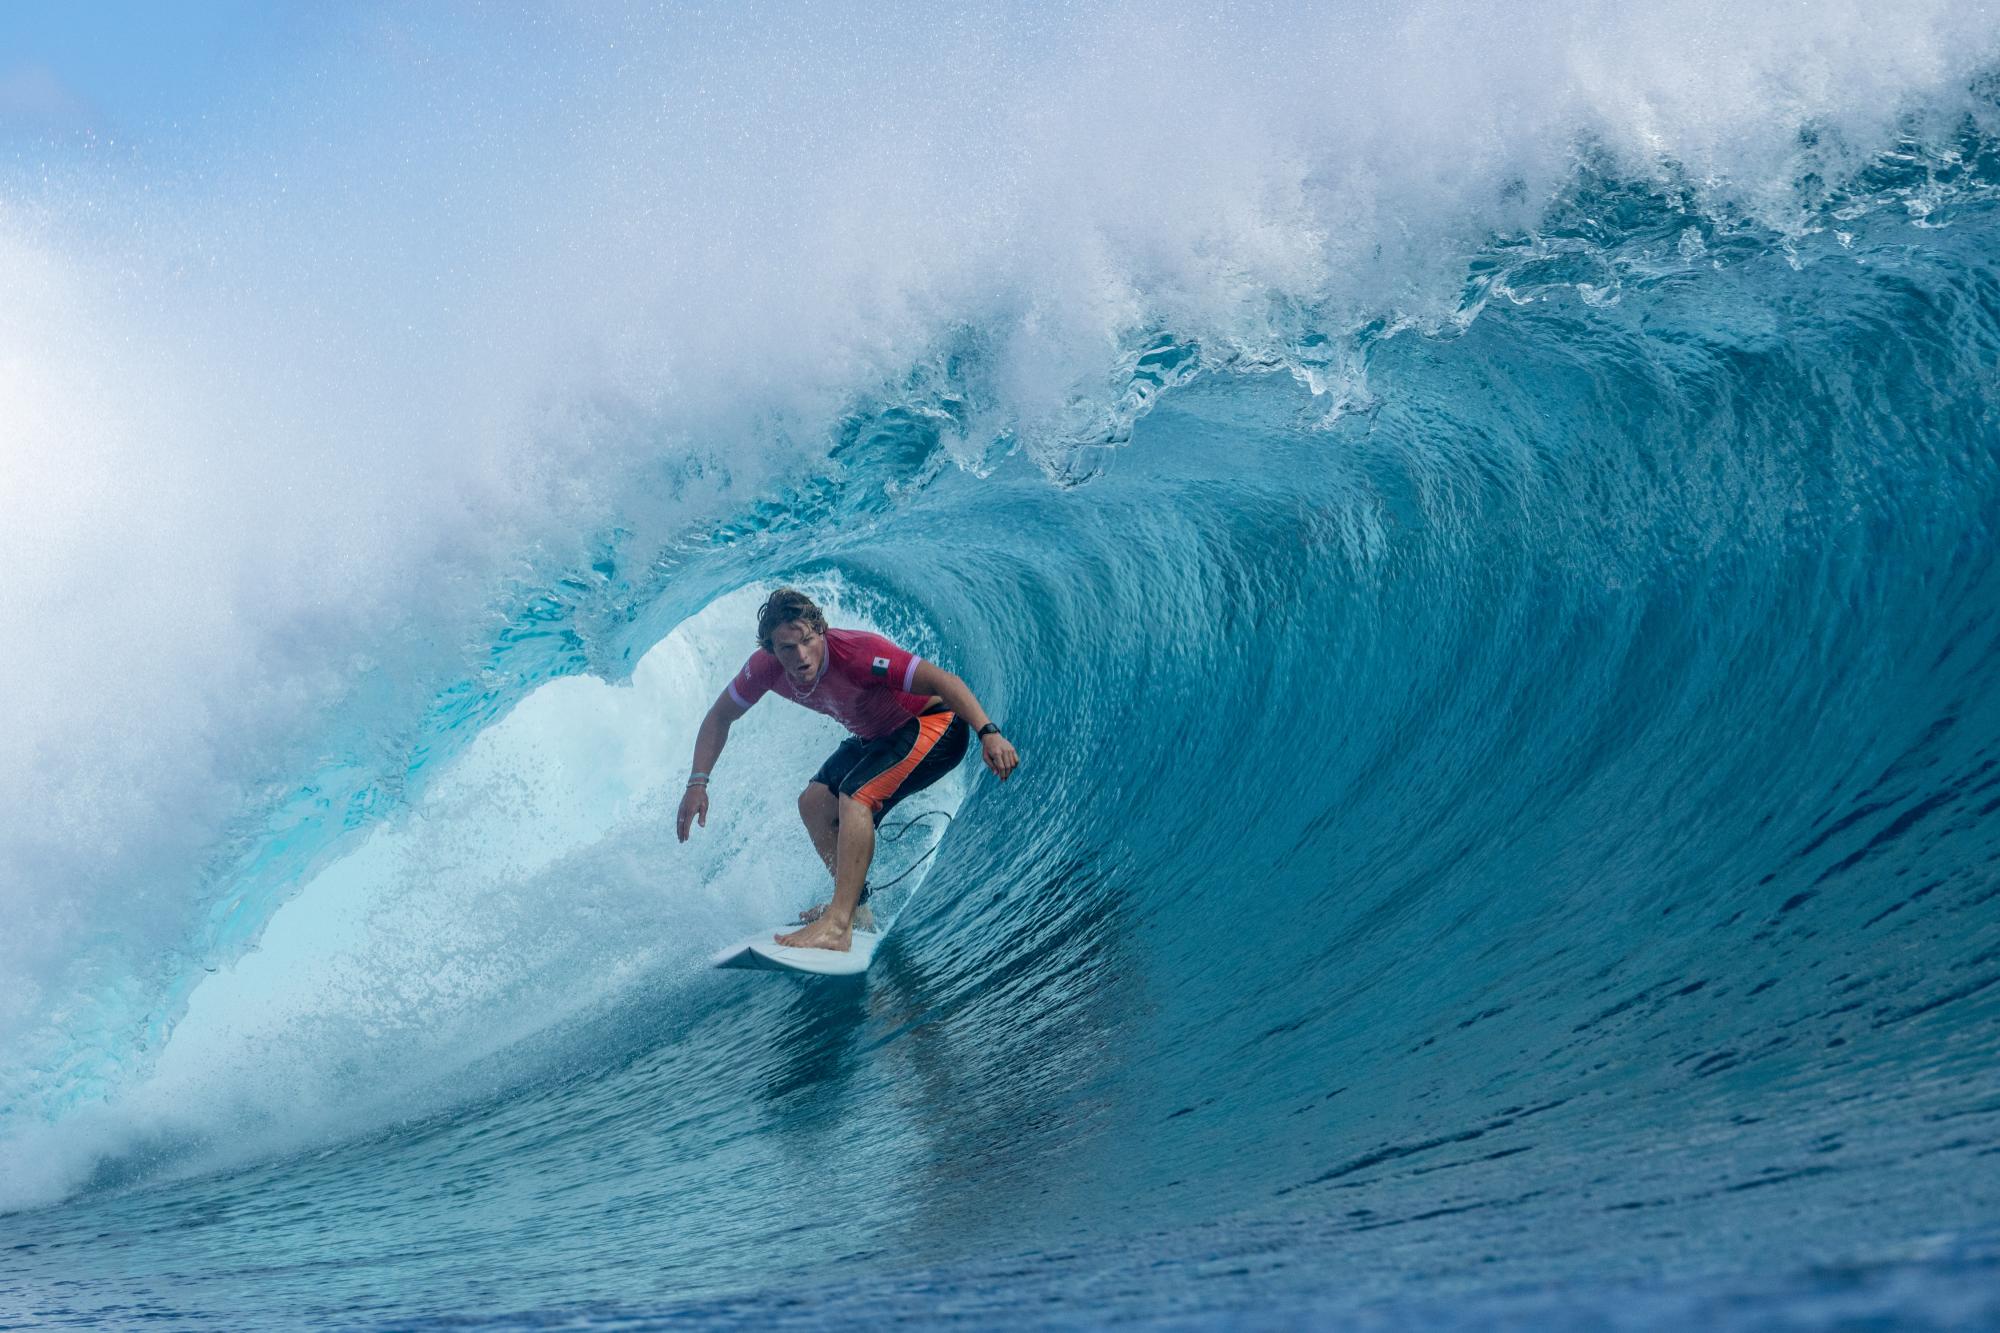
(880, 666)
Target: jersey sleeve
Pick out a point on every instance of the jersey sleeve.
(758, 675)
(873, 662)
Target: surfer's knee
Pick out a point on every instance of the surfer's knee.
(817, 802)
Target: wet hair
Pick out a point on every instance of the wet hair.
(784, 607)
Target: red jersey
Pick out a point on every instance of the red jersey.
(864, 684)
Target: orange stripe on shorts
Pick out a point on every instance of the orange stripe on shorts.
(883, 785)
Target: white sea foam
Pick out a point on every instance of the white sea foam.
(283, 408)
(537, 876)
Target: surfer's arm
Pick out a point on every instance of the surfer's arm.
(930, 678)
(708, 743)
(714, 733)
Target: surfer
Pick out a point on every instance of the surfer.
(910, 722)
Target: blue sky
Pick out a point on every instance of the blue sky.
(139, 69)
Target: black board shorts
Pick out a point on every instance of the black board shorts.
(880, 772)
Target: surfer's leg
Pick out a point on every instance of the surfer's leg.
(820, 809)
(883, 767)
(819, 805)
(834, 928)
(852, 857)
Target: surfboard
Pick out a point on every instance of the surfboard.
(762, 953)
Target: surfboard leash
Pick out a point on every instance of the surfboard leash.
(901, 829)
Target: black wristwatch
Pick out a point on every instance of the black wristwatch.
(990, 729)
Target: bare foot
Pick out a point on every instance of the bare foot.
(819, 935)
(864, 918)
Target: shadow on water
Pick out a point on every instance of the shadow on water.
(1003, 1019)
(823, 1021)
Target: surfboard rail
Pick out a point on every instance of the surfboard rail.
(762, 953)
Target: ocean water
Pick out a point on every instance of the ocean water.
(1482, 529)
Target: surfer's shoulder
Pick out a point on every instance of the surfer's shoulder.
(759, 663)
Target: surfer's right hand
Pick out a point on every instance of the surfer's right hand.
(694, 804)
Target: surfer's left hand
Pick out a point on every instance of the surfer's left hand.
(998, 752)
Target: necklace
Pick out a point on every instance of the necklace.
(807, 691)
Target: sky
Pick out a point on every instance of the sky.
(140, 70)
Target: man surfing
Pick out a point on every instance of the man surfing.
(910, 722)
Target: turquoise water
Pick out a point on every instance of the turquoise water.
(1506, 834)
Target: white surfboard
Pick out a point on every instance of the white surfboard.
(763, 953)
